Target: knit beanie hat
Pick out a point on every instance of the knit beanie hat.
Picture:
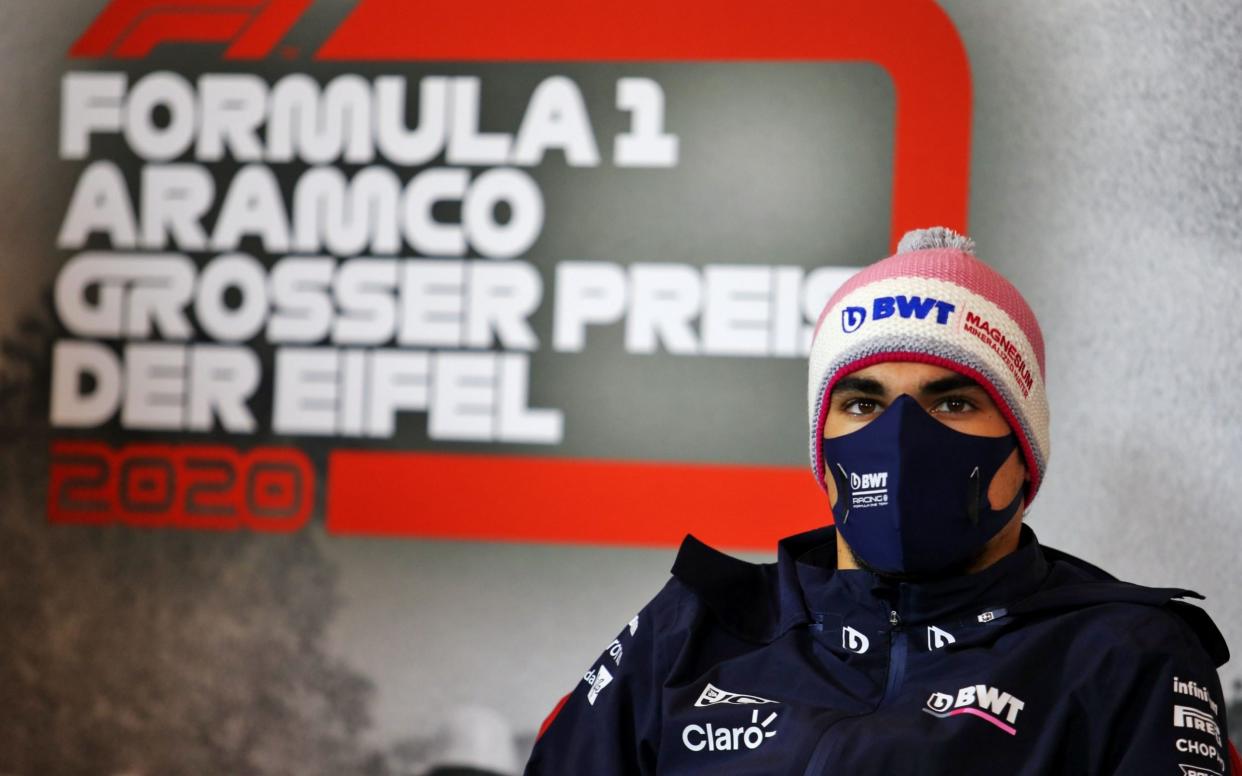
(935, 303)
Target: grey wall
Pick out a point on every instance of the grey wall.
(1106, 183)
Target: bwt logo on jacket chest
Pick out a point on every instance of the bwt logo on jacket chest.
(918, 307)
(979, 700)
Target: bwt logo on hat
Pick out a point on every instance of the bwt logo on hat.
(852, 318)
(918, 307)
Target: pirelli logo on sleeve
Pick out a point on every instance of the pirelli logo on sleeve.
(1186, 717)
(1198, 732)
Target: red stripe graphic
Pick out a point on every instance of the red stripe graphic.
(548, 720)
(133, 28)
(494, 497)
(913, 40)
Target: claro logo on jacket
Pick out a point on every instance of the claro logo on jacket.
(987, 703)
(724, 737)
(729, 738)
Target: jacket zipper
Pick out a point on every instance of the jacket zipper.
(896, 675)
(896, 659)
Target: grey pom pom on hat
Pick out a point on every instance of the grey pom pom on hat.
(934, 238)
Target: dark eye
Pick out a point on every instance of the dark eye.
(860, 406)
(954, 405)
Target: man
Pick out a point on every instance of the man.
(928, 631)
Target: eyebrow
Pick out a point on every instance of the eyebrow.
(864, 385)
(871, 387)
(946, 384)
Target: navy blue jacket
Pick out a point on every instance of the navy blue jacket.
(1040, 664)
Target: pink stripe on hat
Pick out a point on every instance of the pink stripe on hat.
(954, 266)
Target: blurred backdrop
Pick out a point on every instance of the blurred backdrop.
(363, 363)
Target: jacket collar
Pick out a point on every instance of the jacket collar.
(759, 602)
(827, 589)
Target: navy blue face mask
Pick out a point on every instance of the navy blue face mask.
(912, 493)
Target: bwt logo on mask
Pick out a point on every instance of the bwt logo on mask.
(868, 490)
(869, 481)
(852, 318)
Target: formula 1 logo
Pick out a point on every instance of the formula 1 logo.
(713, 695)
(131, 29)
(979, 700)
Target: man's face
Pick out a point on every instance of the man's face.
(954, 399)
